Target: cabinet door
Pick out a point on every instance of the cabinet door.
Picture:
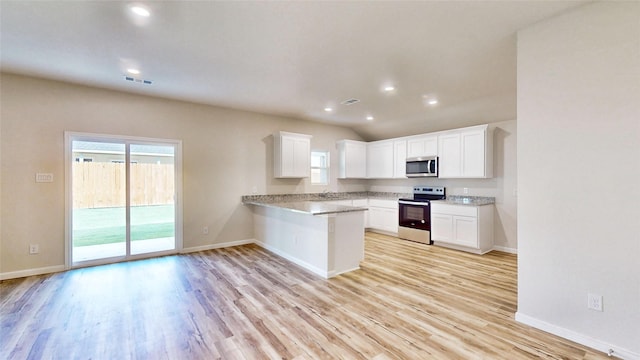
(380, 160)
(376, 218)
(292, 153)
(466, 231)
(286, 156)
(390, 220)
(422, 146)
(353, 159)
(441, 227)
(473, 154)
(301, 158)
(400, 159)
(449, 153)
(383, 219)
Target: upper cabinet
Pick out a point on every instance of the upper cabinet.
(352, 156)
(422, 145)
(399, 159)
(462, 153)
(466, 153)
(380, 160)
(292, 154)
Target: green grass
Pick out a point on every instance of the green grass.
(107, 225)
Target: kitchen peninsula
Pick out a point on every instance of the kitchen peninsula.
(322, 237)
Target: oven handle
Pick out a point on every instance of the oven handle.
(413, 203)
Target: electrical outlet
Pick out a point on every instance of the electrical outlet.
(44, 177)
(594, 302)
(205, 230)
(34, 249)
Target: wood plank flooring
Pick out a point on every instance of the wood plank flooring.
(409, 301)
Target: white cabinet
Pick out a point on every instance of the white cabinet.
(423, 145)
(475, 157)
(380, 159)
(399, 159)
(292, 154)
(466, 153)
(383, 215)
(352, 158)
(462, 153)
(449, 156)
(463, 227)
(386, 159)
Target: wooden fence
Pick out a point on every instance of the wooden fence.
(100, 184)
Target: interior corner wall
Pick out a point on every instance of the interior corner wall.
(579, 175)
(226, 154)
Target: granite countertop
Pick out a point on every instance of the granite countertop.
(468, 200)
(329, 196)
(318, 203)
(309, 207)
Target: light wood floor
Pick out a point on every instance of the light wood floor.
(409, 301)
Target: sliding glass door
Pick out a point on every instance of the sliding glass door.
(121, 195)
(152, 206)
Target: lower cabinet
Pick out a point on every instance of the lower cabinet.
(463, 227)
(383, 215)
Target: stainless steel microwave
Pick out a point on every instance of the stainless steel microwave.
(424, 166)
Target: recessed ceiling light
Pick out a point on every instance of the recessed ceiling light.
(133, 71)
(432, 102)
(389, 88)
(139, 10)
(369, 117)
(328, 109)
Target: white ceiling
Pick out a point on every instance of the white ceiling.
(289, 58)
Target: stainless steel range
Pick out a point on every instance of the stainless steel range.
(415, 214)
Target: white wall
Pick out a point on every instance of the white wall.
(579, 175)
(502, 186)
(226, 153)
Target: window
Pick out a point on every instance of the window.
(320, 167)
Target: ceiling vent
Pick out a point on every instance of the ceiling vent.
(139, 81)
(350, 101)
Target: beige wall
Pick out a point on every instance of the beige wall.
(578, 175)
(226, 153)
(502, 186)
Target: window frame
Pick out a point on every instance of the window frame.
(326, 168)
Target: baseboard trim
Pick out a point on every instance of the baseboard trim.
(217, 246)
(577, 337)
(32, 272)
(298, 262)
(505, 249)
(59, 268)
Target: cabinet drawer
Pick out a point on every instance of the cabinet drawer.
(389, 204)
(461, 210)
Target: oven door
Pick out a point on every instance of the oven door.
(415, 215)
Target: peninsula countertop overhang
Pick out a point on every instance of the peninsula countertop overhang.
(309, 207)
(318, 203)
